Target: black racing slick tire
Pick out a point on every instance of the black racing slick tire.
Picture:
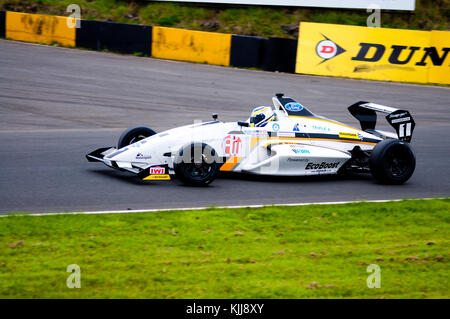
(392, 162)
(133, 135)
(196, 164)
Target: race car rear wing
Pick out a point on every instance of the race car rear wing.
(400, 120)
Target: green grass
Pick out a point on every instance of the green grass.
(271, 252)
(250, 20)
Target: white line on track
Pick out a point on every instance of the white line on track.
(214, 207)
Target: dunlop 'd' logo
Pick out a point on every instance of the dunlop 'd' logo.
(327, 49)
(421, 56)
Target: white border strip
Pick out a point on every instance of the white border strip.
(138, 211)
(351, 4)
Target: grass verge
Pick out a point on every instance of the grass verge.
(273, 252)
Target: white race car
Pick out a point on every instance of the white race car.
(288, 140)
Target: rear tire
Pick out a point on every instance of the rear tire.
(392, 162)
(196, 164)
(133, 135)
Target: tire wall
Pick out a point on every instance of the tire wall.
(115, 37)
(2, 23)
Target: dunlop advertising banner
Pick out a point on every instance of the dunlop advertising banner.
(439, 72)
(374, 53)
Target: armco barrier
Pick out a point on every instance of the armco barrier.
(246, 51)
(274, 54)
(114, 37)
(279, 54)
(2, 23)
(374, 53)
(193, 46)
(39, 28)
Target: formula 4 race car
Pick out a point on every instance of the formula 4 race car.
(289, 140)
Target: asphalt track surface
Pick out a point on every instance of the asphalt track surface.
(58, 104)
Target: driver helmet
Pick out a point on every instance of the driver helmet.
(261, 116)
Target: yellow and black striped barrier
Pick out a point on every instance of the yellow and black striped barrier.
(272, 54)
(322, 49)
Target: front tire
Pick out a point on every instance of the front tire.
(196, 164)
(392, 162)
(133, 135)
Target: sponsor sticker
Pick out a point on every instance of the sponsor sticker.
(286, 134)
(405, 119)
(162, 177)
(321, 128)
(276, 127)
(301, 151)
(296, 128)
(393, 116)
(321, 166)
(295, 159)
(138, 144)
(157, 170)
(293, 107)
(349, 135)
(232, 145)
(141, 156)
(256, 133)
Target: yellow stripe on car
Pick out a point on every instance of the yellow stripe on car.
(323, 120)
(349, 135)
(230, 163)
(162, 177)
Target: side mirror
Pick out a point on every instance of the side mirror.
(215, 116)
(243, 124)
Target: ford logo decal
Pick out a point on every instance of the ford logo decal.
(293, 107)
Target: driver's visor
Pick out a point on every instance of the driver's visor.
(257, 118)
